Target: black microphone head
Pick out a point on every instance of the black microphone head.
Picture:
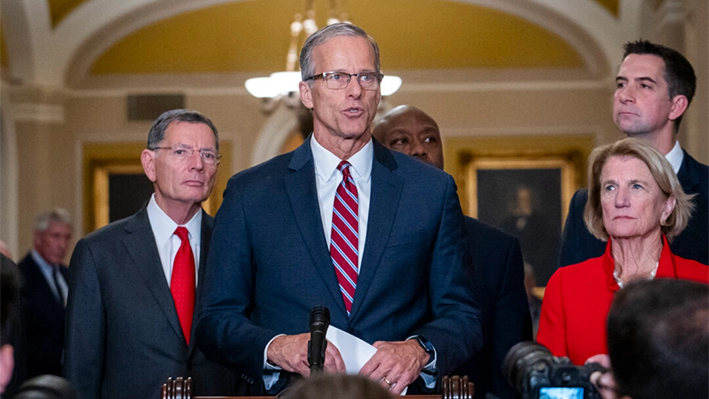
(320, 315)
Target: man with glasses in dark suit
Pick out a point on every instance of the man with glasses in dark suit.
(135, 283)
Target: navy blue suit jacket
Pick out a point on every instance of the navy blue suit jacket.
(123, 337)
(43, 317)
(269, 263)
(499, 290)
(578, 244)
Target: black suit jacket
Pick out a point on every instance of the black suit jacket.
(43, 317)
(270, 264)
(123, 335)
(499, 290)
(578, 244)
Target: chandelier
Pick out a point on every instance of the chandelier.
(282, 84)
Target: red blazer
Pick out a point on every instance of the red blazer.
(578, 297)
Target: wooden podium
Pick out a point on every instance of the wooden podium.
(454, 387)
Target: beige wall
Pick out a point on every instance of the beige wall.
(47, 154)
(50, 170)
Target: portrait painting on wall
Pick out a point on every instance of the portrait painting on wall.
(526, 198)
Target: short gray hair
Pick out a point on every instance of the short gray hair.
(58, 215)
(661, 171)
(157, 131)
(307, 69)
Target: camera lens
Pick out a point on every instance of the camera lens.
(520, 359)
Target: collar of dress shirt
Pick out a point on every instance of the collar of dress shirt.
(46, 269)
(41, 262)
(675, 157)
(326, 162)
(164, 227)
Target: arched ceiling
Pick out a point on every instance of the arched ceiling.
(58, 9)
(61, 8)
(55, 42)
(413, 34)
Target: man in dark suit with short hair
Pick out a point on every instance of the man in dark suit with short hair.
(496, 258)
(44, 293)
(345, 223)
(135, 283)
(654, 87)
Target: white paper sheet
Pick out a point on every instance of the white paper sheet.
(354, 351)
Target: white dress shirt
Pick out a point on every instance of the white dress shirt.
(168, 243)
(675, 157)
(328, 178)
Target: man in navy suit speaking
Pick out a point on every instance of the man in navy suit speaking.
(345, 223)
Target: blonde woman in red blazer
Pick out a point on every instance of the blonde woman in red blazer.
(636, 204)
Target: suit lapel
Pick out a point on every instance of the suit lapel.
(38, 279)
(688, 174)
(303, 196)
(207, 226)
(383, 205)
(140, 245)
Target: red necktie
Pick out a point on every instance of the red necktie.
(344, 239)
(182, 284)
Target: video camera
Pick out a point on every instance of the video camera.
(537, 374)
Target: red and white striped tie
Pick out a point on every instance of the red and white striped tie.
(344, 239)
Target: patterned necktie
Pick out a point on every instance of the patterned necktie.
(344, 239)
(60, 292)
(182, 284)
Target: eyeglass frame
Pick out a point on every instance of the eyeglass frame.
(217, 156)
(378, 75)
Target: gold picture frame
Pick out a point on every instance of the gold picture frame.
(563, 165)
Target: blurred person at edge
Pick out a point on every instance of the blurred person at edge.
(658, 342)
(44, 294)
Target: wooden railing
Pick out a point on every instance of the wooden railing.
(454, 387)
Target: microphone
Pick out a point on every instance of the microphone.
(319, 322)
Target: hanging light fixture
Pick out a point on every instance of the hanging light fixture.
(281, 84)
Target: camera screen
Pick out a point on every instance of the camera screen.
(561, 393)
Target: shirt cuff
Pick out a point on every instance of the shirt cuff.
(271, 372)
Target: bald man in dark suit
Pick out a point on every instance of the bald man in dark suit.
(496, 258)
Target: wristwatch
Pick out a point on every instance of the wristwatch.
(427, 346)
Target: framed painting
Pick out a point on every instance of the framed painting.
(521, 184)
(527, 198)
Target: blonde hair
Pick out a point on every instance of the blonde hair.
(661, 171)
